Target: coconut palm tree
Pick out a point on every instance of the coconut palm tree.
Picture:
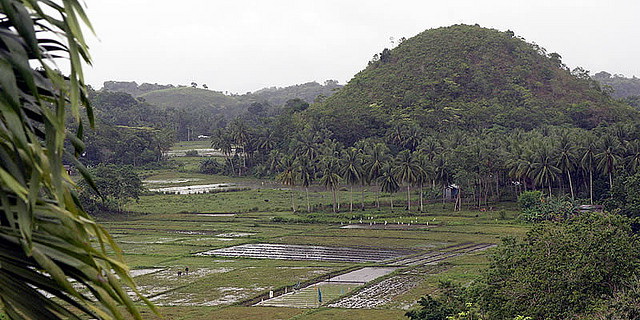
(424, 174)
(222, 140)
(632, 158)
(351, 170)
(566, 158)
(240, 134)
(431, 149)
(407, 170)
(54, 258)
(442, 174)
(331, 178)
(543, 168)
(305, 171)
(588, 153)
(375, 157)
(288, 176)
(388, 182)
(307, 146)
(608, 156)
(521, 166)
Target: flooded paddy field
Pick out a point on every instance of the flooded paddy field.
(195, 189)
(298, 252)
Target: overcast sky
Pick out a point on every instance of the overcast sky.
(245, 45)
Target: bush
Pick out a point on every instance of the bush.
(529, 199)
(191, 153)
(117, 184)
(210, 166)
(625, 196)
(564, 270)
(535, 207)
(430, 309)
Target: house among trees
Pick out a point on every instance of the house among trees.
(451, 192)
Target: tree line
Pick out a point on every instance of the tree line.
(482, 165)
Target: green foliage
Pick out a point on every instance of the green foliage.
(193, 111)
(621, 86)
(561, 270)
(536, 207)
(430, 309)
(116, 185)
(466, 77)
(470, 312)
(530, 199)
(191, 153)
(54, 258)
(126, 145)
(625, 196)
(210, 166)
(121, 109)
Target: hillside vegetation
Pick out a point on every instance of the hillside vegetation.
(620, 86)
(470, 77)
(184, 97)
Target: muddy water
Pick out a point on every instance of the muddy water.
(171, 181)
(199, 188)
(299, 252)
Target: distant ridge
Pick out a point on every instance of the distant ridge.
(193, 96)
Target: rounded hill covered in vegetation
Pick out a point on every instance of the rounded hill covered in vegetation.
(471, 77)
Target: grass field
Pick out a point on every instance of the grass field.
(166, 233)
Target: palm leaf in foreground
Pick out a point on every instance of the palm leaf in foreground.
(54, 260)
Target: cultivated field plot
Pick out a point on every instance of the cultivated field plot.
(316, 253)
(331, 289)
(378, 294)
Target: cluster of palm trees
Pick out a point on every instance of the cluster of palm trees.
(362, 165)
(571, 158)
(484, 166)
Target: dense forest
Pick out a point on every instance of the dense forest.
(195, 110)
(138, 123)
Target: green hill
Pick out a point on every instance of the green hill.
(186, 97)
(470, 77)
(193, 111)
(621, 86)
(169, 96)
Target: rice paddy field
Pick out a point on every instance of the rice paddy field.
(243, 253)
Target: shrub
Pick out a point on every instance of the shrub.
(535, 207)
(570, 268)
(191, 153)
(529, 199)
(210, 166)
